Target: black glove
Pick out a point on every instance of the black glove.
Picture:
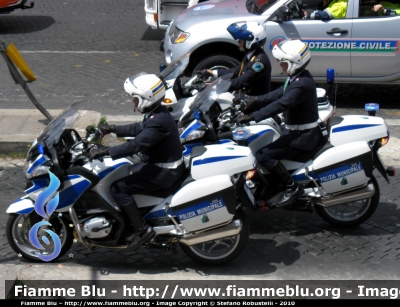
(106, 129)
(238, 98)
(204, 73)
(251, 104)
(98, 153)
(241, 119)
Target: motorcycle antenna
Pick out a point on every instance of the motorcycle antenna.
(330, 78)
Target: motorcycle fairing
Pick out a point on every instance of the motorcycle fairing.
(23, 205)
(105, 167)
(344, 167)
(197, 210)
(37, 184)
(219, 159)
(73, 187)
(355, 128)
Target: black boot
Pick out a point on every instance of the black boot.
(293, 189)
(142, 231)
(145, 234)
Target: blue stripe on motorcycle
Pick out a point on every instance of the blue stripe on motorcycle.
(257, 135)
(39, 161)
(37, 185)
(72, 193)
(110, 169)
(215, 159)
(352, 127)
(26, 211)
(300, 177)
(225, 141)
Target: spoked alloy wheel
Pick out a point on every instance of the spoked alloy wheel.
(351, 213)
(19, 225)
(220, 250)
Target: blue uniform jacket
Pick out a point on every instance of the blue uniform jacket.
(156, 138)
(299, 105)
(256, 75)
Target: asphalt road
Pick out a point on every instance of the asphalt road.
(84, 50)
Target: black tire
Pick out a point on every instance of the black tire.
(216, 62)
(17, 232)
(222, 250)
(359, 211)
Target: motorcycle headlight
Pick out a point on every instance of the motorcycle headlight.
(37, 167)
(40, 170)
(195, 134)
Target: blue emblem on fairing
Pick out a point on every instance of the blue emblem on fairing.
(215, 159)
(46, 203)
(257, 67)
(353, 127)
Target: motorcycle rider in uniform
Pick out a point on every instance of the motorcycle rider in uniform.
(157, 140)
(253, 75)
(297, 99)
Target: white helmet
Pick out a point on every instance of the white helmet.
(252, 32)
(294, 52)
(147, 89)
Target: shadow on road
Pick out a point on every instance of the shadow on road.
(24, 24)
(153, 35)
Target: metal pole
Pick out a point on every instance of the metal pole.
(21, 81)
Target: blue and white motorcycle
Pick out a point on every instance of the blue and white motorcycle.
(337, 176)
(69, 197)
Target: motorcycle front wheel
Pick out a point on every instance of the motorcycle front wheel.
(351, 213)
(220, 250)
(17, 231)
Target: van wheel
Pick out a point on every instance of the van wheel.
(351, 213)
(217, 62)
(221, 250)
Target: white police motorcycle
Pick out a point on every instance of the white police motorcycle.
(337, 176)
(68, 198)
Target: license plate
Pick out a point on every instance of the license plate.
(249, 194)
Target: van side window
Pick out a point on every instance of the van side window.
(368, 8)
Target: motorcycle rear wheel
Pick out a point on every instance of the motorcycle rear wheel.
(221, 250)
(352, 213)
(17, 232)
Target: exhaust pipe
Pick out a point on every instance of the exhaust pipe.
(231, 229)
(363, 193)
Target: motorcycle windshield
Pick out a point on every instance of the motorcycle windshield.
(176, 68)
(51, 134)
(205, 99)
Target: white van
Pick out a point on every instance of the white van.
(159, 13)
